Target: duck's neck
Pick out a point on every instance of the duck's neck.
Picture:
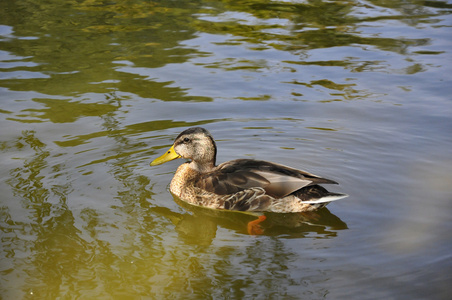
(184, 176)
(203, 167)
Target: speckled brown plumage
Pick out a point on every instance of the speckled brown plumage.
(242, 184)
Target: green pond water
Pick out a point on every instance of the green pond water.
(355, 91)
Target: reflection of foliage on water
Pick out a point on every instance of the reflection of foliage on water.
(83, 47)
(93, 44)
(64, 111)
(45, 228)
(309, 26)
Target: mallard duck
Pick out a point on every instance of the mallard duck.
(241, 184)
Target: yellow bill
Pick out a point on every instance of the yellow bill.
(169, 155)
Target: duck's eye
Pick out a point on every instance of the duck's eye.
(186, 140)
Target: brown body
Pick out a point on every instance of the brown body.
(242, 184)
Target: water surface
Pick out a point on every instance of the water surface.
(355, 91)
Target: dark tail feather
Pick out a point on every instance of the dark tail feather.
(317, 194)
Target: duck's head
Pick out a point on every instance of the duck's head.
(194, 143)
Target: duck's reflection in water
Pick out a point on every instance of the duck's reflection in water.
(199, 225)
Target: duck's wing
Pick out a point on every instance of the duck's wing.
(238, 175)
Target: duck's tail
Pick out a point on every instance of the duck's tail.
(315, 194)
(327, 199)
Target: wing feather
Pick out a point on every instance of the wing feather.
(238, 175)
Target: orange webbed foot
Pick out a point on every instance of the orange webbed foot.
(254, 228)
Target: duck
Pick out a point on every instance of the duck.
(245, 185)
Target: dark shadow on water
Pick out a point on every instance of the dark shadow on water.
(199, 225)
